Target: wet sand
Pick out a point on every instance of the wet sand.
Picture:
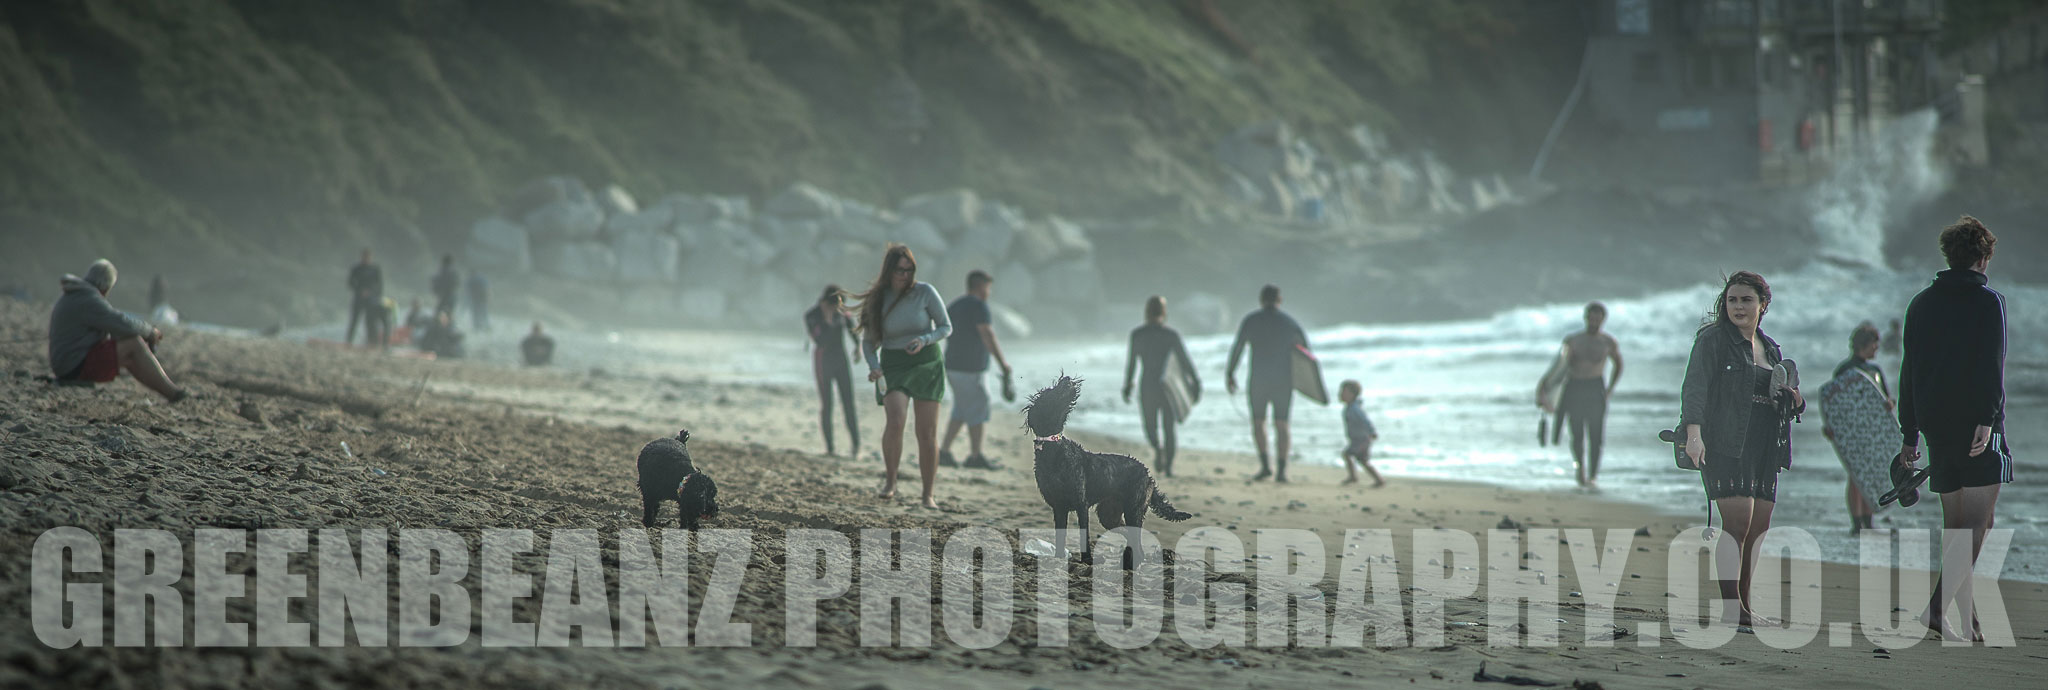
(466, 447)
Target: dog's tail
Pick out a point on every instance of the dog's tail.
(1046, 415)
(683, 436)
(1163, 508)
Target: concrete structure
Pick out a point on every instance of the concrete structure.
(1705, 91)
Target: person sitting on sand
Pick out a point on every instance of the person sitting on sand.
(417, 322)
(91, 342)
(1863, 345)
(902, 322)
(441, 338)
(538, 348)
(1358, 433)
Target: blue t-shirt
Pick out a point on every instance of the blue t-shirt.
(1357, 426)
(964, 350)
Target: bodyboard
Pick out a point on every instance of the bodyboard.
(1866, 435)
(1550, 388)
(1182, 389)
(1308, 376)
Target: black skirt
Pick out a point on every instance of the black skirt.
(1754, 472)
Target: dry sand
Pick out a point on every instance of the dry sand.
(467, 447)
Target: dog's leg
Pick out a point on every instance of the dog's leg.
(1059, 530)
(1087, 544)
(650, 506)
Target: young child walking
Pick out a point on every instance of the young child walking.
(1359, 435)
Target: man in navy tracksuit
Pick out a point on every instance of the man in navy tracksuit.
(1952, 391)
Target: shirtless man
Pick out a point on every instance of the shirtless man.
(1585, 395)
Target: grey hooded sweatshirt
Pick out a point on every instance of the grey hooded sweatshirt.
(81, 319)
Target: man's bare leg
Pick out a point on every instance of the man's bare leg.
(141, 363)
(1281, 443)
(1259, 440)
(1970, 508)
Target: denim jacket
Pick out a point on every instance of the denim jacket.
(1718, 389)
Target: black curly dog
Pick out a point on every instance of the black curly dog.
(666, 474)
(1071, 479)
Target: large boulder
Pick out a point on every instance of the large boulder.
(1008, 323)
(1070, 282)
(647, 257)
(867, 228)
(785, 233)
(544, 191)
(702, 305)
(850, 264)
(802, 200)
(701, 209)
(922, 238)
(566, 220)
(773, 300)
(951, 210)
(992, 237)
(1072, 238)
(659, 218)
(950, 273)
(1037, 244)
(1016, 284)
(586, 261)
(616, 200)
(802, 264)
(500, 245)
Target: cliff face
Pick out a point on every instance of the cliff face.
(236, 144)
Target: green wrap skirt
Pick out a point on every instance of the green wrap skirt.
(921, 376)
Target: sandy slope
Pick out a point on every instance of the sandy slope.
(489, 448)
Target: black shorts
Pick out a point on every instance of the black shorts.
(1950, 467)
(1279, 397)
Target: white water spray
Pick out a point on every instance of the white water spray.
(1888, 176)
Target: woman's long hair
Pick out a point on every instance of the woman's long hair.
(1715, 314)
(871, 313)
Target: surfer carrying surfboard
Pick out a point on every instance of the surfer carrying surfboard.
(1584, 400)
(1274, 338)
(1169, 387)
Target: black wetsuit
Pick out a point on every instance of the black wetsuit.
(1150, 344)
(445, 284)
(366, 303)
(1584, 402)
(829, 367)
(538, 349)
(1272, 335)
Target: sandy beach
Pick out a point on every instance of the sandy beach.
(285, 436)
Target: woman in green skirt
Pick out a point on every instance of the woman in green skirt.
(901, 323)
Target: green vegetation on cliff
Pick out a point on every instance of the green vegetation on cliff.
(257, 139)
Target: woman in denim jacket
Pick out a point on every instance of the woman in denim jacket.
(1737, 423)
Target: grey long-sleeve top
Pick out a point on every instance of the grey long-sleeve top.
(81, 319)
(920, 318)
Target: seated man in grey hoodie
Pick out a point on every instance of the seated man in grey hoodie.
(91, 342)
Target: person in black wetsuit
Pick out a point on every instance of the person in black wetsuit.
(366, 302)
(1272, 336)
(1150, 344)
(538, 348)
(829, 328)
(1863, 346)
(445, 285)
